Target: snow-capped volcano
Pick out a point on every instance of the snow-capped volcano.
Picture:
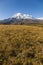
(22, 16)
(21, 19)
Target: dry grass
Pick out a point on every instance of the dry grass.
(21, 45)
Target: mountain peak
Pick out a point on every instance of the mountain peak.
(22, 16)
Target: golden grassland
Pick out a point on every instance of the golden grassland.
(21, 45)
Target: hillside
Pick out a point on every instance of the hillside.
(21, 21)
(21, 45)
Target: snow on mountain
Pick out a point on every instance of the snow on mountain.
(40, 18)
(22, 16)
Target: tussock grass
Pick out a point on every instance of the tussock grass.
(21, 45)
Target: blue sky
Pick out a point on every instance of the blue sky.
(10, 7)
